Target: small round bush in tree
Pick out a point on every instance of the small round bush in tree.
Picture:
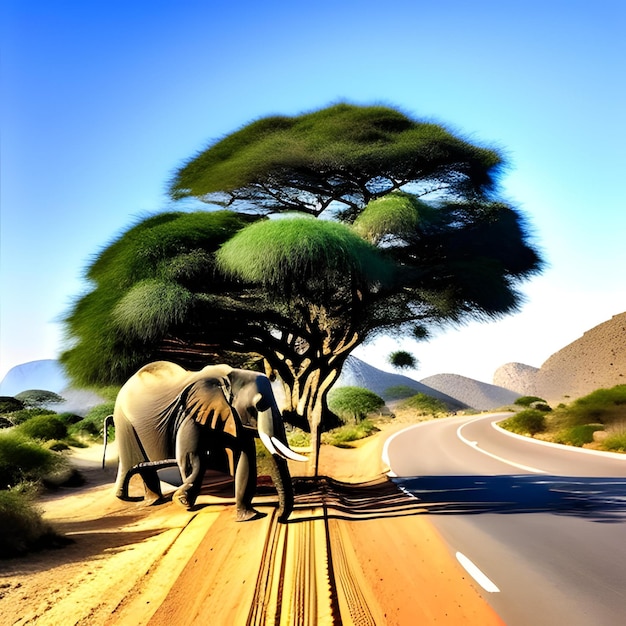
(353, 402)
(402, 360)
(45, 427)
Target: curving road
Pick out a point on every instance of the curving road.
(540, 528)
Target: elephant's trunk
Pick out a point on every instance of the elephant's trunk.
(275, 442)
(282, 481)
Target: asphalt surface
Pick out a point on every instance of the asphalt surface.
(540, 528)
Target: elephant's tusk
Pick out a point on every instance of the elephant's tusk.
(267, 442)
(287, 452)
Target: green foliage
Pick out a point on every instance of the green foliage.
(147, 285)
(9, 404)
(274, 253)
(335, 143)
(527, 422)
(298, 438)
(44, 427)
(423, 404)
(577, 435)
(615, 442)
(402, 359)
(23, 528)
(23, 415)
(92, 425)
(606, 406)
(353, 402)
(341, 436)
(528, 400)
(23, 459)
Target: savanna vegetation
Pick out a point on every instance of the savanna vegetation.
(32, 445)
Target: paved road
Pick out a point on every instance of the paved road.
(542, 528)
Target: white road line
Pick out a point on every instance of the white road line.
(476, 574)
(474, 444)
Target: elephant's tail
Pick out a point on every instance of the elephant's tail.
(108, 421)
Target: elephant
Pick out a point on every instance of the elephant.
(167, 416)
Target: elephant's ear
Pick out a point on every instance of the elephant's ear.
(207, 405)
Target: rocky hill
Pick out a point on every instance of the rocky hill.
(594, 361)
(478, 395)
(357, 373)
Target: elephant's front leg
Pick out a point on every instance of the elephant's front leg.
(191, 463)
(245, 483)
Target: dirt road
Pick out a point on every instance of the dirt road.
(355, 551)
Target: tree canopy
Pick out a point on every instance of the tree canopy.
(411, 234)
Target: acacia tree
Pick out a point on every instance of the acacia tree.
(412, 234)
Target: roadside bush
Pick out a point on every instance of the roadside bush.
(23, 459)
(424, 405)
(23, 528)
(353, 403)
(615, 442)
(603, 405)
(577, 435)
(9, 404)
(528, 400)
(38, 397)
(527, 422)
(44, 427)
(341, 436)
(541, 406)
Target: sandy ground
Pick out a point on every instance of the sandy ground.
(355, 551)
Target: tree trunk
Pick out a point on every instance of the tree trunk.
(306, 389)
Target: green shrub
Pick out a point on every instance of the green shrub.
(423, 404)
(92, 425)
(527, 422)
(615, 442)
(23, 528)
(353, 402)
(603, 405)
(69, 418)
(9, 404)
(44, 427)
(23, 459)
(298, 438)
(352, 432)
(541, 406)
(578, 435)
(528, 400)
(38, 397)
(19, 417)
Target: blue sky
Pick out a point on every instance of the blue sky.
(103, 100)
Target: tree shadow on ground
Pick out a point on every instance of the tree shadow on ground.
(596, 499)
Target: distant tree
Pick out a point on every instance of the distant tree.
(413, 236)
(354, 402)
(402, 359)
